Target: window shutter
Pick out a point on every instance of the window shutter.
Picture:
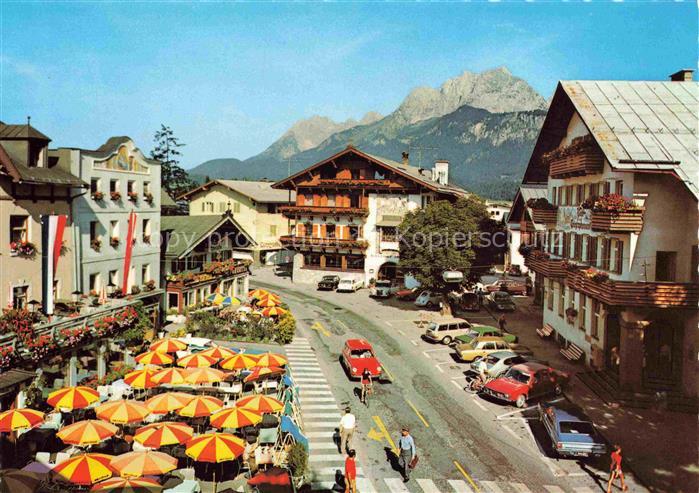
(619, 257)
(606, 250)
(592, 251)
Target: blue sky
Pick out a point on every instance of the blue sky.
(231, 78)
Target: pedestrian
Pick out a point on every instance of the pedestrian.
(502, 322)
(406, 449)
(351, 472)
(615, 470)
(347, 424)
(366, 385)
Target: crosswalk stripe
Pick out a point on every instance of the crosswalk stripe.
(306, 371)
(460, 486)
(428, 486)
(323, 446)
(317, 399)
(319, 434)
(312, 415)
(314, 392)
(520, 487)
(491, 487)
(396, 485)
(553, 489)
(310, 378)
(330, 471)
(365, 486)
(582, 489)
(319, 407)
(305, 365)
(326, 458)
(320, 424)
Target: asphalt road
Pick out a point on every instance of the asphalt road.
(465, 443)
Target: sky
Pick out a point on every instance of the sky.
(230, 78)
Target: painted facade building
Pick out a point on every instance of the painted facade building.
(202, 255)
(121, 181)
(614, 245)
(347, 211)
(255, 205)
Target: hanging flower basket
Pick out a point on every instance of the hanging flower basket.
(22, 249)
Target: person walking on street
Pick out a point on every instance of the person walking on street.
(351, 472)
(347, 424)
(615, 470)
(502, 323)
(366, 385)
(406, 449)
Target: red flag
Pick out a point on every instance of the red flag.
(129, 248)
(60, 228)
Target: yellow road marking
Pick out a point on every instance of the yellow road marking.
(387, 372)
(375, 435)
(424, 421)
(385, 433)
(468, 478)
(319, 327)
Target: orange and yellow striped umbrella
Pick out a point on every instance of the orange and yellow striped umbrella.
(273, 311)
(87, 432)
(271, 359)
(154, 358)
(146, 463)
(204, 375)
(259, 372)
(85, 469)
(196, 360)
(168, 345)
(173, 376)
(20, 419)
(260, 403)
(122, 412)
(201, 405)
(219, 352)
(168, 402)
(73, 397)
(257, 293)
(141, 379)
(269, 301)
(158, 435)
(215, 447)
(128, 485)
(239, 362)
(235, 417)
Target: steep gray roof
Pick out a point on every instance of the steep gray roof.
(185, 232)
(25, 131)
(259, 191)
(165, 199)
(532, 192)
(643, 125)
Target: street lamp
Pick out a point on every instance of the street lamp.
(76, 295)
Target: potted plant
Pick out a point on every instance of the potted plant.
(149, 197)
(149, 285)
(133, 196)
(114, 241)
(97, 195)
(116, 196)
(146, 239)
(135, 290)
(96, 244)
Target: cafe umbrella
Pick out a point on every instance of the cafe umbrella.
(85, 469)
(87, 432)
(122, 412)
(215, 448)
(128, 485)
(71, 398)
(145, 463)
(168, 402)
(20, 419)
(165, 433)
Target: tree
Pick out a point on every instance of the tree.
(173, 178)
(448, 236)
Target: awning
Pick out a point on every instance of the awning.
(242, 256)
(10, 379)
(389, 220)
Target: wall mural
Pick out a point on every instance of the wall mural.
(390, 204)
(574, 217)
(123, 161)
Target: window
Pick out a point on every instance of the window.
(425, 199)
(330, 231)
(549, 295)
(605, 253)
(579, 194)
(354, 232)
(355, 173)
(561, 299)
(173, 300)
(95, 282)
(146, 232)
(560, 196)
(327, 173)
(618, 252)
(607, 187)
(56, 289)
(596, 319)
(146, 187)
(694, 264)
(222, 207)
(592, 190)
(94, 185)
(331, 200)
(379, 175)
(566, 245)
(665, 266)
(113, 186)
(114, 229)
(19, 297)
(578, 246)
(333, 260)
(19, 229)
(145, 273)
(113, 277)
(273, 230)
(94, 231)
(554, 196)
(388, 233)
(582, 312)
(619, 187)
(355, 262)
(236, 207)
(130, 186)
(311, 259)
(209, 207)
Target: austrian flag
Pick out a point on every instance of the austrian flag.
(52, 228)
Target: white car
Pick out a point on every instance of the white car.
(349, 285)
(427, 299)
(383, 289)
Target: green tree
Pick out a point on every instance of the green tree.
(173, 178)
(448, 236)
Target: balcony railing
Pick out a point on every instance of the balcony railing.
(354, 183)
(309, 241)
(582, 157)
(213, 271)
(542, 263)
(617, 222)
(312, 210)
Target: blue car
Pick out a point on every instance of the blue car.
(571, 432)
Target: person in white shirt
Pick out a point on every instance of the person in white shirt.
(347, 424)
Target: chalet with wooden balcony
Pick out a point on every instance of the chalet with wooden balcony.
(614, 228)
(348, 208)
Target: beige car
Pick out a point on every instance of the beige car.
(480, 346)
(445, 330)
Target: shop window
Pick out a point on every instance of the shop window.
(355, 262)
(333, 261)
(19, 229)
(665, 266)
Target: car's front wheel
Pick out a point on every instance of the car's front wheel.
(446, 340)
(558, 390)
(521, 401)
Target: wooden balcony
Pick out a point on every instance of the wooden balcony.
(301, 242)
(341, 183)
(620, 222)
(312, 210)
(582, 157)
(542, 263)
(545, 216)
(640, 294)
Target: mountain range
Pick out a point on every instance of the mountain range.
(485, 124)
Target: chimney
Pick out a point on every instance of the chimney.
(406, 159)
(684, 75)
(440, 172)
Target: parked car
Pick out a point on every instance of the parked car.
(349, 285)
(514, 270)
(383, 289)
(499, 362)
(485, 330)
(500, 301)
(468, 302)
(511, 286)
(571, 432)
(526, 381)
(446, 330)
(329, 283)
(427, 299)
(479, 347)
(358, 354)
(408, 294)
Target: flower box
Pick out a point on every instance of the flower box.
(133, 196)
(97, 196)
(545, 216)
(96, 244)
(149, 197)
(114, 241)
(146, 239)
(581, 157)
(116, 196)
(617, 222)
(22, 249)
